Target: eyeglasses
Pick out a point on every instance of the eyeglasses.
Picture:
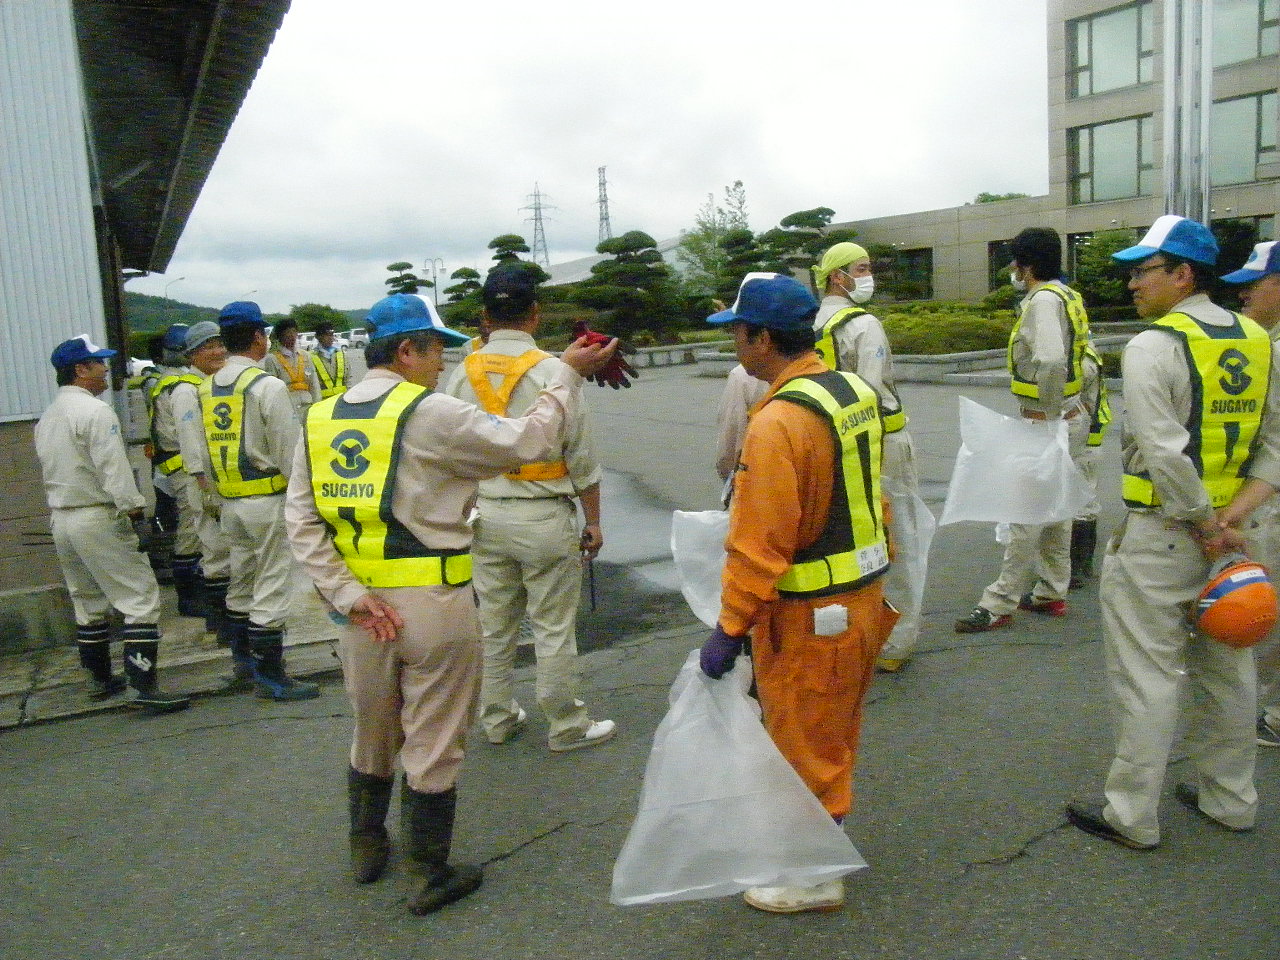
(1137, 272)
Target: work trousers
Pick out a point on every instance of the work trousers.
(215, 558)
(526, 563)
(186, 537)
(900, 484)
(1037, 559)
(98, 552)
(1263, 535)
(811, 687)
(1152, 568)
(415, 697)
(261, 565)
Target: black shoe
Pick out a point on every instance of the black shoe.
(447, 885)
(980, 620)
(1189, 797)
(106, 689)
(156, 700)
(1088, 817)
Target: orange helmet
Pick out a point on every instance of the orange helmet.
(1238, 604)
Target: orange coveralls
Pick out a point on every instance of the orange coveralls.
(811, 687)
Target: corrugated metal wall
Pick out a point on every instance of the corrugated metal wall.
(49, 284)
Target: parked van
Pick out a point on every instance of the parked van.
(358, 337)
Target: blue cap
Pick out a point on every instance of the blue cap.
(408, 313)
(241, 312)
(771, 300)
(175, 338)
(1177, 236)
(1265, 259)
(78, 350)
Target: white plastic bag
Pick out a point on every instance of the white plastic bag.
(912, 526)
(1013, 470)
(697, 544)
(721, 810)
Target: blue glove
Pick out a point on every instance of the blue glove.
(718, 653)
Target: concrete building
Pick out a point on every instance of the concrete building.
(112, 116)
(1106, 141)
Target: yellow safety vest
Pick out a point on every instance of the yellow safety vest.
(1100, 416)
(1230, 375)
(222, 410)
(478, 367)
(331, 384)
(852, 549)
(1079, 341)
(830, 355)
(166, 461)
(353, 450)
(297, 371)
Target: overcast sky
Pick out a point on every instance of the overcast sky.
(385, 130)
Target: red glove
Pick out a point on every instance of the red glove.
(617, 370)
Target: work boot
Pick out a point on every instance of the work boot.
(94, 644)
(369, 796)
(233, 632)
(186, 584)
(267, 647)
(1084, 543)
(141, 647)
(215, 605)
(427, 822)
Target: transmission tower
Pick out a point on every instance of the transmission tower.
(606, 231)
(537, 205)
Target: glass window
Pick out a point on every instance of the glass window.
(999, 256)
(1245, 30)
(1110, 50)
(1112, 160)
(1242, 134)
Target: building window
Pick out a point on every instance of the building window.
(1245, 30)
(1110, 161)
(1110, 50)
(1242, 134)
(999, 256)
(907, 274)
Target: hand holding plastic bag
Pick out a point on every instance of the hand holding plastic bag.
(721, 810)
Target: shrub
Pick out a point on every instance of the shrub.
(935, 331)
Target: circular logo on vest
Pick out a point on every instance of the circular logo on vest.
(1233, 364)
(350, 446)
(222, 416)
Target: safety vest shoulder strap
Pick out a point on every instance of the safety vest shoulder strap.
(826, 345)
(1078, 320)
(171, 380)
(480, 365)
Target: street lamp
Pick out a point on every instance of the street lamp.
(170, 284)
(435, 286)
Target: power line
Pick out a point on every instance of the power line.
(606, 231)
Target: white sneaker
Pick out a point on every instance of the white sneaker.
(823, 897)
(512, 732)
(600, 731)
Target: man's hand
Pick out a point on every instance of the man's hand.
(592, 541)
(588, 357)
(718, 653)
(377, 617)
(143, 530)
(616, 371)
(1216, 540)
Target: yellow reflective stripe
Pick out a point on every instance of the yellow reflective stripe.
(222, 411)
(331, 384)
(838, 569)
(170, 465)
(1079, 320)
(826, 345)
(493, 400)
(893, 422)
(450, 571)
(297, 371)
(550, 470)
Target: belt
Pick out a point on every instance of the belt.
(1038, 415)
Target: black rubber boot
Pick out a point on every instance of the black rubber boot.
(1084, 542)
(369, 797)
(94, 644)
(186, 584)
(215, 605)
(427, 821)
(141, 647)
(267, 646)
(233, 632)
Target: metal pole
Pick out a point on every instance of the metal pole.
(1188, 100)
(170, 284)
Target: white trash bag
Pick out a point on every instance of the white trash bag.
(721, 810)
(912, 526)
(1013, 470)
(697, 544)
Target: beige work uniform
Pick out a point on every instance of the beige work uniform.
(863, 348)
(527, 562)
(416, 696)
(261, 568)
(301, 399)
(1153, 567)
(164, 425)
(90, 490)
(1089, 459)
(1037, 558)
(203, 502)
(742, 391)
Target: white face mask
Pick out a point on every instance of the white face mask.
(863, 288)
(1019, 285)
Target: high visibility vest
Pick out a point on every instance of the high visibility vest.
(478, 367)
(1230, 371)
(852, 548)
(1100, 416)
(222, 411)
(331, 384)
(830, 355)
(166, 461)
(297, 370)
(353, 450)
(1079, 320)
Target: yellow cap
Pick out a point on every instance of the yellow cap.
(837, 256)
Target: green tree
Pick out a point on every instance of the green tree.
(507, 249)
(403, 280)
(1101, 281)
(467, 285)
(985, 197)
(702, 250)
(742, 256)
(311, 315)
(633, 285)
(799, 239)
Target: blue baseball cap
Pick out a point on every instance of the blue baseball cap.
(78, 350)
(408, 313)
(1177, 236)
(770, 300)
(239, 313)
(1265, 259)
(175, 338)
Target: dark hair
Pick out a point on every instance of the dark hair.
(286, 324)
(1203, 276)
(155, 349)
(789, 343)
(1040, 250)
(239, 337)
(382, 352)
(323, 328)
(66, 375)
(510, 311)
